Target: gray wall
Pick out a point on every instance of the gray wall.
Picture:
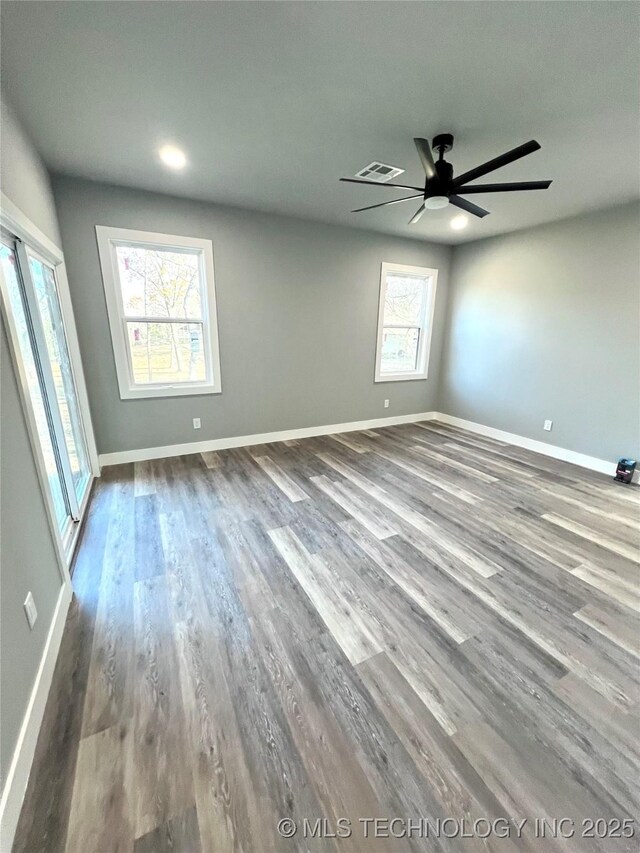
(542, 324)
(23, 176)
(297, 308)
(27, 556)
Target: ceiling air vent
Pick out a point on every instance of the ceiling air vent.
(379, 172)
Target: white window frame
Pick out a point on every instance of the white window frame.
(108, 240)
(15, 222)
(426, 322)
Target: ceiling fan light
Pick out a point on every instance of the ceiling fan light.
(436, 202)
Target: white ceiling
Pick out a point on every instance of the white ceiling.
(273, 102)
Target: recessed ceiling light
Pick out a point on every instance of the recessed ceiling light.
(173, 157)
(459, 222)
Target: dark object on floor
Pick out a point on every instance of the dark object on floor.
(625, 469)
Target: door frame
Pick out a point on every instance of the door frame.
(13, 220)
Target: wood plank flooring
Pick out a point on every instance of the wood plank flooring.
(412, 623)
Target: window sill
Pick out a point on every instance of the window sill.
(169, 391)
(400, 377)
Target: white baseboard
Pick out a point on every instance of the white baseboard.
(16, 781)
(259, 438)
(603, 466)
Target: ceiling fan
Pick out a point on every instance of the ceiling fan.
(441, 188)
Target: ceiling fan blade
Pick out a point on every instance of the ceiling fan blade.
(376, 184)
(497, 162)
(426, 157)
(469, 206)
(504, 188)
(385, 203)
(418, 214)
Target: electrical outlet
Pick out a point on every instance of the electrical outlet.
(548, 425)
(30, 610)
(386, 404)
(196, 423)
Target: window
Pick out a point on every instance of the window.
(405, 318)
(162, 312)
(38, 337)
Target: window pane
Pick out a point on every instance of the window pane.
(159, 282)
(60, 361)
(166, 352)
(399, 350)
(404, 299)
(9, 268)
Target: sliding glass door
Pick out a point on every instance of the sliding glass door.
(47, 304)
(37, 328)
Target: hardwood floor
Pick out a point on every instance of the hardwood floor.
(410, 623)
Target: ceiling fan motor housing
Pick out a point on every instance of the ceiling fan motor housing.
(440, 185)
(443, 141)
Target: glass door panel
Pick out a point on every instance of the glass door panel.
(48, 304)
(32, 368)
